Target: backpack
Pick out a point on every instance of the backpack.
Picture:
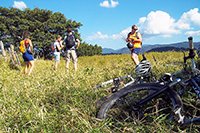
(70, 41)
(53, 48)
(22, 47)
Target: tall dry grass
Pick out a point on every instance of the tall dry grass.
(57, 101)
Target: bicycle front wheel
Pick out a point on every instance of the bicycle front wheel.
(133, 103)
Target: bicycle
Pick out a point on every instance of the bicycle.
(117, 83)
(129, 79)
(138, 101)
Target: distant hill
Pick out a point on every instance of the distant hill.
(156, 48)
(108, 50)
(164, 49)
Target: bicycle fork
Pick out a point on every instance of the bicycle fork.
(176, 101)
(196, 88)
(180, 116)
(177, 105)
(178, 110)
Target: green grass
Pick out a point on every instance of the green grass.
(49, 101)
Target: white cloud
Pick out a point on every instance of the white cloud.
(193, 33)
(98, 35)
(158, 23)
(19, 4)
(122, 34)
(114, 3)
(105, 4)
(162, 24)
(108, 4)
(142, 20)
(189, 18)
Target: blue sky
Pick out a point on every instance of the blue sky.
(107, 22)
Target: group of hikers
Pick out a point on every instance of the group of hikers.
(70, 43)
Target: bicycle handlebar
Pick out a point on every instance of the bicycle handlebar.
(191, 50)
(191, 45)
(114, 80)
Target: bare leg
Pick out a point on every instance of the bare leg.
(68, 56)
(57, 60)
(56, 65)
(75, 65)
(135, 58)
(67, 64)
(75, 59)
(31, 65)
(26, 68)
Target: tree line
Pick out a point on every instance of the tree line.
(43, 26)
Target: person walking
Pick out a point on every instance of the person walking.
(134, 40)
(72, 43)
(56, 48)
(26, 48)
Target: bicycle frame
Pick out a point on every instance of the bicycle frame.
(173, 95)
(117, 81)
(188, 82)
(165, 86)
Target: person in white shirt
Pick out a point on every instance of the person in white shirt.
(57, 46)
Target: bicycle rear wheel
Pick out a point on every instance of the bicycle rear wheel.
(128, 104)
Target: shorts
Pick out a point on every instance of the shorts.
(56, 56)
(27, 56)
(136, 51)
(71, 53)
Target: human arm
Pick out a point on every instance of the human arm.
(128, 38)
(31, 45)
(61, 44)
(78, 43)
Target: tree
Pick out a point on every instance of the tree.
(89, 50)
(43, 26)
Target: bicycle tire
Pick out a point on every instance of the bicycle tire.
(150, 88)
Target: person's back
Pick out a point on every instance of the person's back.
(26, 48)
(70, 40)
(71, 43)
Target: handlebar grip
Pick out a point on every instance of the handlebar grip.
(191, 45)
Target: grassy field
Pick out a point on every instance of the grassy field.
(49, 101)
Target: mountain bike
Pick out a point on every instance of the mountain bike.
(115, 84)
(123, 81)
(145, 100)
